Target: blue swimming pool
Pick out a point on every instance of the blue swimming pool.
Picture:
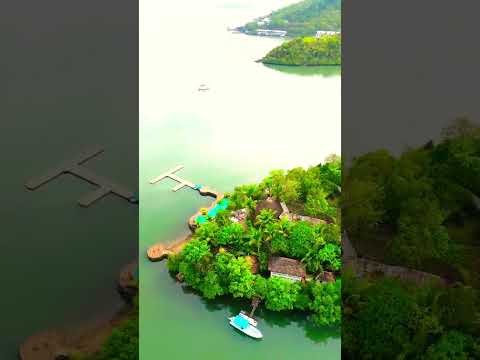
(222, 205)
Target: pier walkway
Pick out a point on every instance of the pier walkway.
(171, 174)
(74, 167)
(162, 250)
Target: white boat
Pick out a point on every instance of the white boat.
(242, 324)
(203, 87)
(250, 320)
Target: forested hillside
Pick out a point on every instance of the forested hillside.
(420, 210)
(307, 51)
(301, 19)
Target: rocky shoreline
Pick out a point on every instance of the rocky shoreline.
(87, 338)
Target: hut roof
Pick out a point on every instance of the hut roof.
(286, 266)
(269, 204)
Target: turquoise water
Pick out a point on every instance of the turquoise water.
(254, 119)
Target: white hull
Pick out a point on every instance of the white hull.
(250, 330)
(250, 320)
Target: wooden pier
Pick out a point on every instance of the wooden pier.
(171, 174)
(161, 251)
(74, 167)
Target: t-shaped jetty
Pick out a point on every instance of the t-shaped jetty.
(171, 174)
(163, 250)
(76, 168)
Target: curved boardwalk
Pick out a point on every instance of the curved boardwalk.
(161, 251)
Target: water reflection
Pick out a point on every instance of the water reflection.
(271, 318)
(324, 71)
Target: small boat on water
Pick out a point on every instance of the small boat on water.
(203, 87)
(250, 320)
(241, 323)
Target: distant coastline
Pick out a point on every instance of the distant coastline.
(307, 51)
(295, 65)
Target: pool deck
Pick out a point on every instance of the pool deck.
(205, 191)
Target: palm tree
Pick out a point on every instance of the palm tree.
(266, 217)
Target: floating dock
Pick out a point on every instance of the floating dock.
(171, 174)
(161, 251)
(74, 167)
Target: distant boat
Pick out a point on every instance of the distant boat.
(241, 323)
(203, 87)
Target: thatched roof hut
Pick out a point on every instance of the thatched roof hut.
(286, 268)
(271, 204)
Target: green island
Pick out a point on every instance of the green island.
(278, 242)
(417, 213)
(301, 19)
(307, 51)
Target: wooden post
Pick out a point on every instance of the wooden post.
(255, 302)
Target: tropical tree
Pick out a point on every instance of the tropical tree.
(281, 294)
(207, 232)
(301, 239)
(232, 234)
(211, 286)
(318, 206)
(264, 218)
(194, 263)
(327, 303)
(452, 345)
(241, 279)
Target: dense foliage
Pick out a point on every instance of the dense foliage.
(309, 51)
(415, 202)
(417, 210)
(387, 319)
(303, 18)
(218, 260)
(122, 343)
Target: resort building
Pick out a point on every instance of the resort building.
(264, 21)
(271, 204)
(286, 268)
(321, 33)
(267, 32)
